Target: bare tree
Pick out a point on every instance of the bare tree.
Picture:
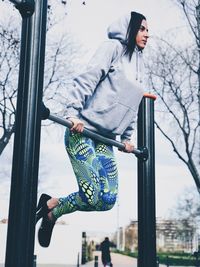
(174, 75)
(187, 212)
(61, 63)
(9, 63)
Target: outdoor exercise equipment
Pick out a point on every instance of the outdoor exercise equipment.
(24, 180)
(146, 185)
(141, 153)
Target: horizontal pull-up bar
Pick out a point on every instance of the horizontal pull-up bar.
(16, 2)
(141, 153)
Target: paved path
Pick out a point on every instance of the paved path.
(118, 260)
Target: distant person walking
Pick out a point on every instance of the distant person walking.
(105, 253)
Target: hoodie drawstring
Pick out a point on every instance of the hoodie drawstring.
(138, 66)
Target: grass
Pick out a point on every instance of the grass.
(177, 259)
(169, 258)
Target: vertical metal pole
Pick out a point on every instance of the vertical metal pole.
(23, 195)
(35, 261)
(84, 248)
(146, 186)
(95, 261)
(78, 260)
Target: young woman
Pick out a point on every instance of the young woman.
(104, 99)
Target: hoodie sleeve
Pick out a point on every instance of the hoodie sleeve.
(128, 131)
(85, 84)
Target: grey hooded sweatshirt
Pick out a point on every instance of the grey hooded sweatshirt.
(107, 95)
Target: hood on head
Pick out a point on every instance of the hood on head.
(118, 29)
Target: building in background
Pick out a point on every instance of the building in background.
(171, 235)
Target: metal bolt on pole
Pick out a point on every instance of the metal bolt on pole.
(35, 261)
(146, 185)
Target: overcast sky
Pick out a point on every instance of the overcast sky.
(89, 22)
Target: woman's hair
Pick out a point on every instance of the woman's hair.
(133, 28)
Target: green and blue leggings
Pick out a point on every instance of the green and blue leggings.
(96, 172)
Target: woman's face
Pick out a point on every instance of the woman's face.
(142, 35)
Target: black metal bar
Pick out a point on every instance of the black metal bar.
(25, 7)
(84, 248)
(23, 195)
(140, 153)
(16, 2)
(146, 186)
(96, 261)
(35, 261)
(78, 260)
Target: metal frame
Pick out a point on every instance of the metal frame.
(24, 180)
(141, 153)
(146, 186)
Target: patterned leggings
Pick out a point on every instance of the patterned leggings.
(96, 172)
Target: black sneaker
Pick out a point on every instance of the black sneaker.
(45, 231)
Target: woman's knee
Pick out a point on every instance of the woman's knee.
(95, 198)
(102, 202)
(109, 200)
